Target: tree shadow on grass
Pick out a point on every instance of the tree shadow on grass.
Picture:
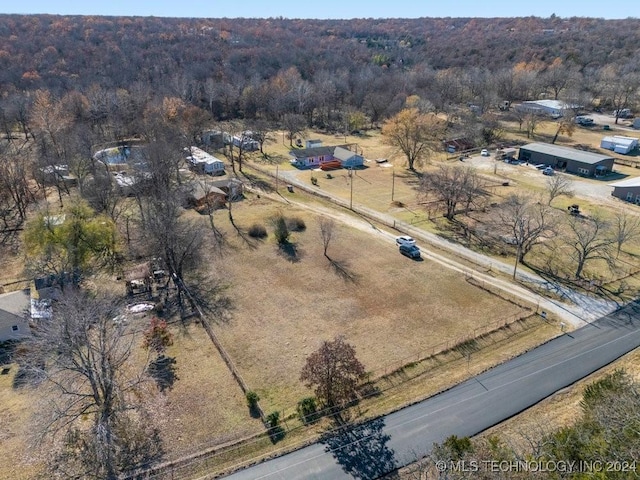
(163, 371)
(362, 450)
(259, 183)
(289, 251)
(341, 268)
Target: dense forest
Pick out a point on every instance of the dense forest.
(250, 67)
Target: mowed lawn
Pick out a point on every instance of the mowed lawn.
(284, 307)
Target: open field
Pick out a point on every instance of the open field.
(390, 308)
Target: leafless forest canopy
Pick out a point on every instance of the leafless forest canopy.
(221, 64)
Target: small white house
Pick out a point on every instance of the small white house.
(202, 162)
(619, 144)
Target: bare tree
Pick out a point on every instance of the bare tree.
(453, 186)
(589, 239)
(175, 239)
(327, 230)
(16, 192)
(626, 228)
(559, 185)
(93, 386)
(293, 124)
(531, 122)
(334, 371)
(528, 222)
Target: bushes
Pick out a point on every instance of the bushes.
(296, 224)
(276, 432)
(307, 410)
(252, 403)
(257, 231)
(280, 230)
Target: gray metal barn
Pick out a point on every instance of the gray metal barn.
(567, 159)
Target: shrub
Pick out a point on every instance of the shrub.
(280, 230)
(314, 180)
(252, 399)
(273, 419)
(296, 224)
(307, 410)
(257, 231)
(276, 432)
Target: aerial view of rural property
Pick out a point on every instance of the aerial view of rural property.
(284, 241)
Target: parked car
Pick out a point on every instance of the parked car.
(410, 251)
(484, 152)
(405, 240)
(548, 171)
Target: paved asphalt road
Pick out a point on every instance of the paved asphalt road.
(365, 452)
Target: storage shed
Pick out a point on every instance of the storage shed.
(14, 323)
(619, 144)
(568, 159)
(348, 158)
(628, 189)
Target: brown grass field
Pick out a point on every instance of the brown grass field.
(284, 307)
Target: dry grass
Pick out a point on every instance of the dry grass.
(15, 413)
(284, 306)
(391, 308)
(205, 407)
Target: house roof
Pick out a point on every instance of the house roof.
(13, 307)
(548, 103)
(15, 302)
(343, 153)
(199, 190)
(627, 182)
(566, 152)
(620, 140)
(312, 152)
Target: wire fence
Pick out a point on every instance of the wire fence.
(217, 458)
(223, 459)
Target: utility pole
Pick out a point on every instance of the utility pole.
(393, 182)
(351, 196)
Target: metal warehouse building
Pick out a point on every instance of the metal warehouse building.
(568, 159)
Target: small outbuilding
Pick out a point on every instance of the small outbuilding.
(348, 158)
(628, 190)
(567, 159)
(619, 144)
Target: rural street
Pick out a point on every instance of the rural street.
(382, 445)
